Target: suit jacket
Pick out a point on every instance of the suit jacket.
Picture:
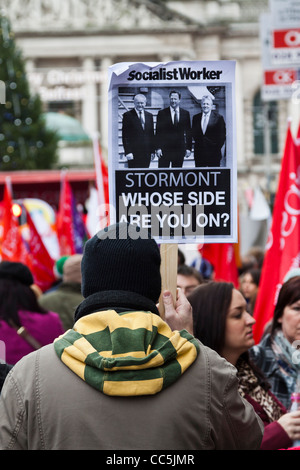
(171, 138)
(136, 140)
(207, 150)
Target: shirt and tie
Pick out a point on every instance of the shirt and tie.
(141, 116)
(204, 122)
(175, 116)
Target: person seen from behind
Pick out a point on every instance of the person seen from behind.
(24, 325)
(123, 372)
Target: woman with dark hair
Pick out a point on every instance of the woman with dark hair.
(24, 324)
(222, 323)
(276, 355)
(249, 285)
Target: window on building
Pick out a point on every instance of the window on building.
(265, 114)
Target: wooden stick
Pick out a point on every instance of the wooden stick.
(168, 270)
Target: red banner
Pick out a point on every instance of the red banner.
(65, 220)
(223, 258)
(283, 248)
(12, 248)
(40, 262)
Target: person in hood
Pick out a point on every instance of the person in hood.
(123, 378)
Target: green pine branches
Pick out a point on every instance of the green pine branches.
(25, 143)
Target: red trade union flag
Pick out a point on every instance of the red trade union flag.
(283, 245)
(64, 225)
(71, 230)
(12, 248)
(280, 76)
(6, 209)
(286, 38)
(41, 263)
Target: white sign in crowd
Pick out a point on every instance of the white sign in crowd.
(172, 151)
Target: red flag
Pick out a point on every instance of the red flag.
(71, 231)
(64, 219)
(283, 247)
(223, 258)
(41, 263)
(7, 205)
(22, 243)
(12, 248)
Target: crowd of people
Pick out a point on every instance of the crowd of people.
(269, 372)
(93, 364)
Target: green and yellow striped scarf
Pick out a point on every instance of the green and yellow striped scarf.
(126, 354)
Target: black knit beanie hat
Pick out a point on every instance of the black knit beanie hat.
(121, 257)
(16, 271)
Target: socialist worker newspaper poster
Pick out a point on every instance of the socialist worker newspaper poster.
(172, 150)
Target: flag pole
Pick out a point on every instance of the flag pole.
(168, 270)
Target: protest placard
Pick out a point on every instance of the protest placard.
(285, 16)
(167, 172)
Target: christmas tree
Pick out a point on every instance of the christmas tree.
(25, 143)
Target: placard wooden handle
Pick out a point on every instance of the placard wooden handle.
(168, 269)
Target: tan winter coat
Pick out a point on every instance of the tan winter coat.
(45, 405)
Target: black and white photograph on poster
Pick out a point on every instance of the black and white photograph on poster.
(172, 155)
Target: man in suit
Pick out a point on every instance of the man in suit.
(138, 134)
(173, 134)
(209, 133)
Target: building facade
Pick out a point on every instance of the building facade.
(69, 45)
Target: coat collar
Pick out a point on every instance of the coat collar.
(117, 300)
